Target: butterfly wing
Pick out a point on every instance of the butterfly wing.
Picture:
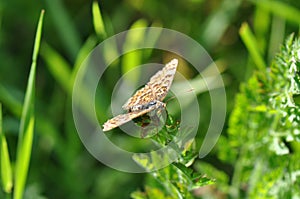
(124, 118)
(156, 89)
(161, 82)
(147, 98)
(142, 96)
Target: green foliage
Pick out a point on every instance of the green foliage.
(27, 122)
(257, 155)
(65, 27)
(179, 178)
(281, 9)
(264, 129)
(26, 132)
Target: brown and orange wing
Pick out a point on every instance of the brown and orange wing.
(161, 82)
(156, 89)
(124, 118)
(147, 98)
(142, 96)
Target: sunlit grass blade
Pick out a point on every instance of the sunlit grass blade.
(281, 9)
(6, 171)
(58, 67)
(27, 122)
(69, 36)
(98, 21)
(252, 46)
(134, 58)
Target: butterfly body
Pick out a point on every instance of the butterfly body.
(147, 98)
(143, 106)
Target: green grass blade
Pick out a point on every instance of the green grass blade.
(252, 46)
(65, 27)
(10, 101)
(6, 171)
(98, 21)
(87, 47)
(58, 67)
(261, 26)
(133, 58)
(276, 36)
(281, 9)
(152, 39)
(27, 122)
(217, 23)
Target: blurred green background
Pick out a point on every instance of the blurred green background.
(60, 165)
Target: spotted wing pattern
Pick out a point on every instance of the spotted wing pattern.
(143, 96)
(156, 89)
(147, 98)
(161, 82)
(124, 118)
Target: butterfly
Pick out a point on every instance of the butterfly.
(148, 98)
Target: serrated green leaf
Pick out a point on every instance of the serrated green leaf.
(264, 122)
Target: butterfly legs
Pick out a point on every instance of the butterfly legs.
(154, 120)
